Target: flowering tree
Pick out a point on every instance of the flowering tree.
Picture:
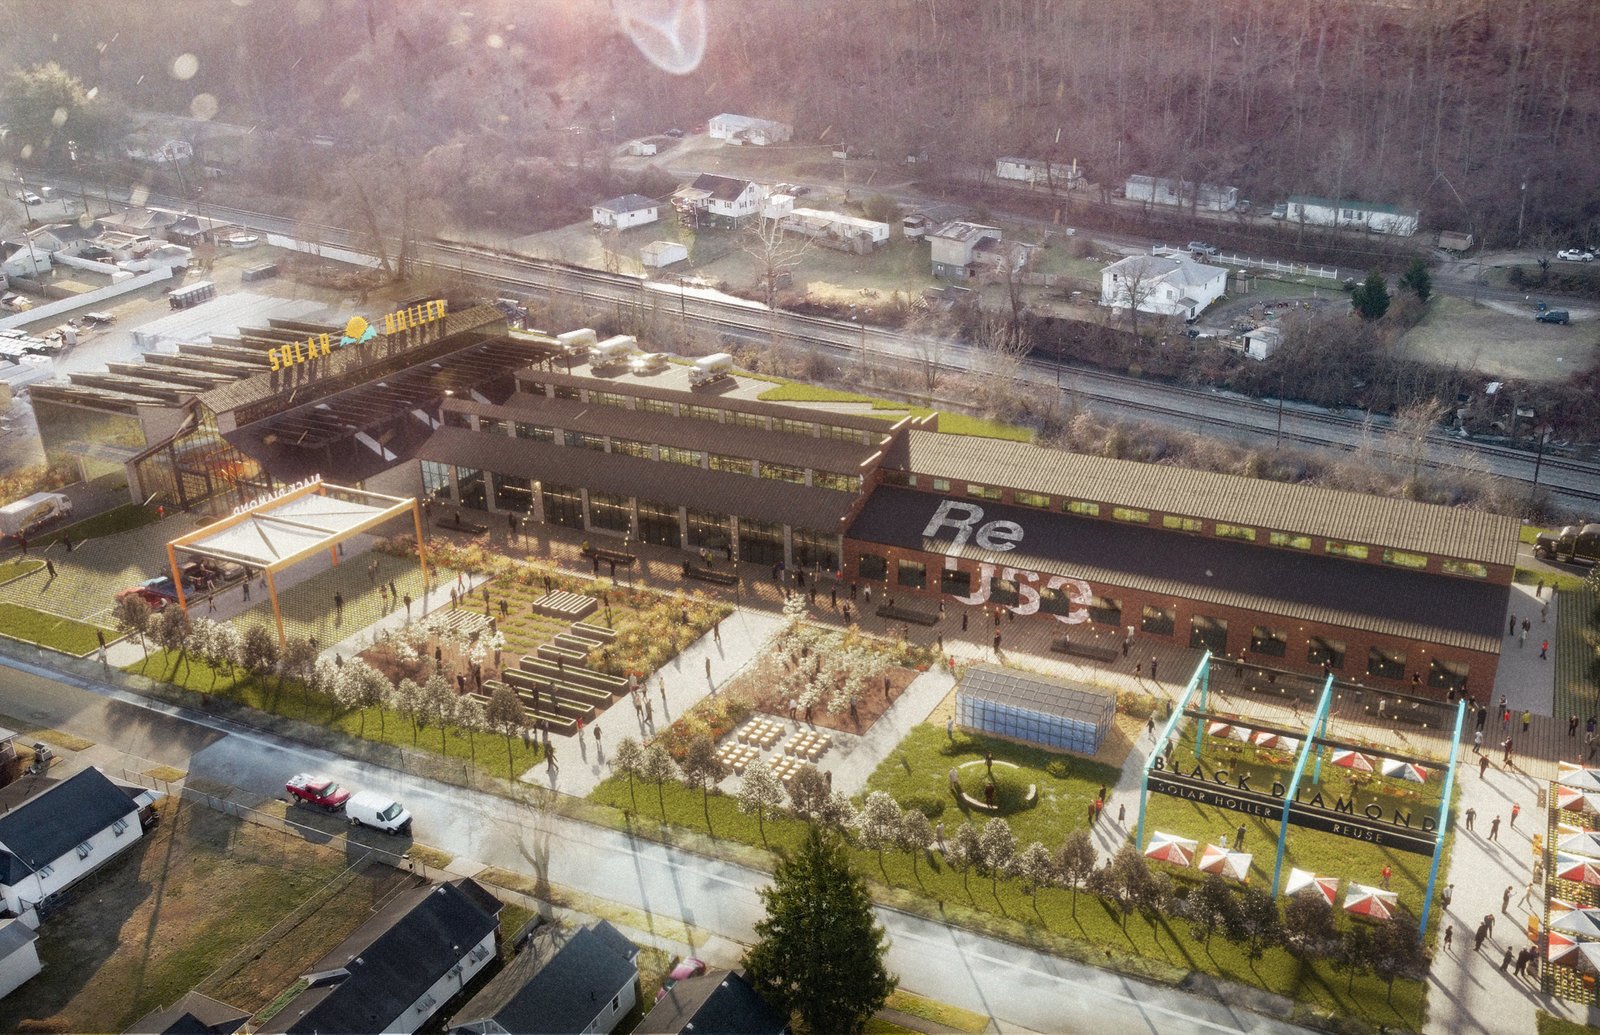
(999, 846)
(471, 718)
(658, 768)
(916, 834)
(965, 850)
(411, 700)
(360, 686)
(628, 759)
(760, 791)
(439, 705)
(879, 823)
(1075, 861)
(1035, 869)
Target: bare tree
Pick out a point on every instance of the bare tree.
(775, 251)
(1407, 438)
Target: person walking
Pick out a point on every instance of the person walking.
(716, 632)
(997, 642)
(1447, 894)
(1238, 838)
(1505, 900)
(1483, 765)
(1505, 961)
(1572, 726)
(1479, 936)
(1522, 961)
(1449, 936)
(1494, 829)
(550, 754)
(50, 567)
(1154, 662)
(1527, 717)
(1516, 810)
(1511, 630)
(1386, 873)
(1477, 742)
(338, 606)
(408, 606)
(1508, 745)
(1544, 655)
(1483, 716)
(1472, 814)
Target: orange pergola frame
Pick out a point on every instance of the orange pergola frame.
(383, 509)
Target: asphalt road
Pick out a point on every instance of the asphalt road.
(1021, 988)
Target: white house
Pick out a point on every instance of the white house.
(628, 210)
(723, 197)
(657, 254)
(61, 835)
(583, 982)
(19, 959)
(745, 129)
(399, 968)
(1156, 190)
(1366, 215)
(1035, 171)
(1170, 285)
(954, 246)
(23, 259)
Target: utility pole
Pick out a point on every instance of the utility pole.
(1522, 207)
(1538, 459)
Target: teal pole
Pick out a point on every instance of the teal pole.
(1294, 783)
(1204, 674)
(1195, 680)
(1321, 731)
(1444, 816)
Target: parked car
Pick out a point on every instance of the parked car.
(686, 968)
(98, 319)
(28, 197)
(378, 811)
(1554, 316)
(154, 600)
(1576, 255)
(316, 790)
(1202, 248)
(674, 133)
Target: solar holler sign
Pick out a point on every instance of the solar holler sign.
(357, 332)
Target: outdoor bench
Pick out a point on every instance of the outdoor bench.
(1097, 651)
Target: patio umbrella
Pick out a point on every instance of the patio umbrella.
(1265, 739)
(1576, 867)
(1576, 800)
(1578, 921)
(1229, 864)
(1589, 957)
(1562, 949)
(1404, 770)
(1299, 880)
(1170, 848)
(1352, 760)
(1586, 842)
(1219, 729)
(1365, 901)
(1570, 775)
(1240, 733)
(1561, 905)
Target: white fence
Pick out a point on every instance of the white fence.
(88, 298)
(327, 251)
(1293, 269)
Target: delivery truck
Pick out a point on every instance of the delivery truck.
(27, 515)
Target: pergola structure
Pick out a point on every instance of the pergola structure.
(272, 533)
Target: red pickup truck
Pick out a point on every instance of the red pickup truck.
(316, 790)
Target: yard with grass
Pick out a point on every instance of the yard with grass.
(1459, 333)
(1578, 652)
(1077, 925)
(490, 753)
(107, 523)
(47, 630)
(10, 570)
(182, 902)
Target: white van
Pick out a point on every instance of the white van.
(378, 811)
(26, 515)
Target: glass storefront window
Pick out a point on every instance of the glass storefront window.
(760, 542)
(470, 488)
(912, 574)
(783, 473)
(584, 440)
(872, 567)
(1210, 633)
(1269, 641)
(816, 548)
(708, 529)
(512, 494)
(658, 524)
(1158, 620)
(612, 513)
(435, 480)
(563, 505)
(1390, 664)
(535, 432)
(731, 464)
(1323, 651)
(955, 582)
(629, 447)
(1105, 610)
(491, 425)
(1447, 675)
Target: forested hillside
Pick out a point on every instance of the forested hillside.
(1445, 105)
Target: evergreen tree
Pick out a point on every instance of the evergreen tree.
(1417, 279)
(820, 953)
(1371, 297)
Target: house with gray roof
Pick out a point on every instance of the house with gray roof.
(1376, 217)
(63, 834)
(956, 246)
(583, 980)
(19, 958)
(399, 969)
(720, 1002)
(194, 1014)
(628, 210)
(1168, 285)
(725, 198)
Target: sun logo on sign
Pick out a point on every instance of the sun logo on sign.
(357, 331)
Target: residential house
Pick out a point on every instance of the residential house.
(191, 230)
(137, 221)
(70, 237)
(1206, 197)
(23, 259)
(561, 984)
(1036, 171)
(19, 958)
(657, 254)
(1374, 217)
(628, 210)
(399, 968)
(719, 1001)
(723, 198)
(194, 1014)
(120, 246)
(10, 762)
(745, 129)
(835, 229)
(954, 246)
(1169, 285)
(63, 834)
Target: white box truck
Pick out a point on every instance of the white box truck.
(708, 369)
(613, 351)
(26, 515)
(378, 811)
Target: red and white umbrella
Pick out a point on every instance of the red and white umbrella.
(1364, 900)
(1404, 770)
(1575, 867)
(1583, 842)
(1267, 739)
(1589, 957)
(1219, 729)
(1577, 801)
(1585, 922)
(1352, 760)
(1170, 848)
(1299, 880)
(1216, 859)
(1562, 949)
(1577, 776)
(1561, 905)
(1240, 733)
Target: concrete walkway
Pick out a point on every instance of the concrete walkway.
(851, 769)
(582, 762)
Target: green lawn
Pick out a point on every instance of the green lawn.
(1529, 533)
(1550, 1024)
(1577, 661)
(17, 569)
(288, 698)
(1161, 948)
(917, 771)
(47, 630)
(110, 522)
(1560, 580)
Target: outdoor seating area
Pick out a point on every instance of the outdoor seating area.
(1571, 941)
(736, 756)
(569, 606)
(760, 733)
(808, 745)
